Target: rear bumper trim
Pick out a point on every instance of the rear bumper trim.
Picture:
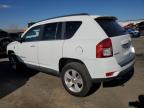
(120, 75)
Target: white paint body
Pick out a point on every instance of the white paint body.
(82, 46)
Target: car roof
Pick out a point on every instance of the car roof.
(66, 17)
(72, 17)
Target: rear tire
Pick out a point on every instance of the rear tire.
(76, 79)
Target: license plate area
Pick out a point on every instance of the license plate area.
(126, 49)
(126, 45)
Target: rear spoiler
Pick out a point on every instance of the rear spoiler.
(106, 17)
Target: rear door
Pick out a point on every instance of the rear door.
(123, 50)
(50, 47)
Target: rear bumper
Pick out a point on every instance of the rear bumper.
(128, 71)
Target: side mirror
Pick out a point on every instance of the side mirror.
(19, 39)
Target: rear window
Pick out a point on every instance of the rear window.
(71, 28)
(111, 27)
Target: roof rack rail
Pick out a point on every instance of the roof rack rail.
(64, 16)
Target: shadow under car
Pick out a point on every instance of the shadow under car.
(11, 80)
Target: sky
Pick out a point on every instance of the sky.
(20, 12)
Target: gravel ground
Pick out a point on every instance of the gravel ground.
(40, 90)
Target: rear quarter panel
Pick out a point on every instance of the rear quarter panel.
(83, 44)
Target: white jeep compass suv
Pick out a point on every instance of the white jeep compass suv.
(81, 48)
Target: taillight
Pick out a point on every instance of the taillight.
(104, 49)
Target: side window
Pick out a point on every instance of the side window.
(59, 31)
(71, 28)
(50, 31)
(32, 34)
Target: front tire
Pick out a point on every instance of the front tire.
(14, 63)
(76, 79)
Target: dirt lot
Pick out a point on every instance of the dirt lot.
(40, 90)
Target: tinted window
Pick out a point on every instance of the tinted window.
(71, 28)
(111, 27)
(59, 31)
(50, 31)
(32, 34)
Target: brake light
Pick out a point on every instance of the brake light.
(104, 49)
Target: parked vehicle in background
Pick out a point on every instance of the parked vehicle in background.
(134, 33)
(15, 36)
(82, 49)
(130, 25)
(140, 27)
(30, 24)
(4, 41)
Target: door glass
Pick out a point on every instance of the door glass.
(59, 31)
(50, 31)
(32, 35)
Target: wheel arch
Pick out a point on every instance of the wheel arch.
(10, 52)
(64, 61)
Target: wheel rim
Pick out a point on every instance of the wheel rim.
(13, 62)
(73, 80)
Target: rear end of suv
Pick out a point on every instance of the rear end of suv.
(103, 47)
(83, 49)
(117, 48)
